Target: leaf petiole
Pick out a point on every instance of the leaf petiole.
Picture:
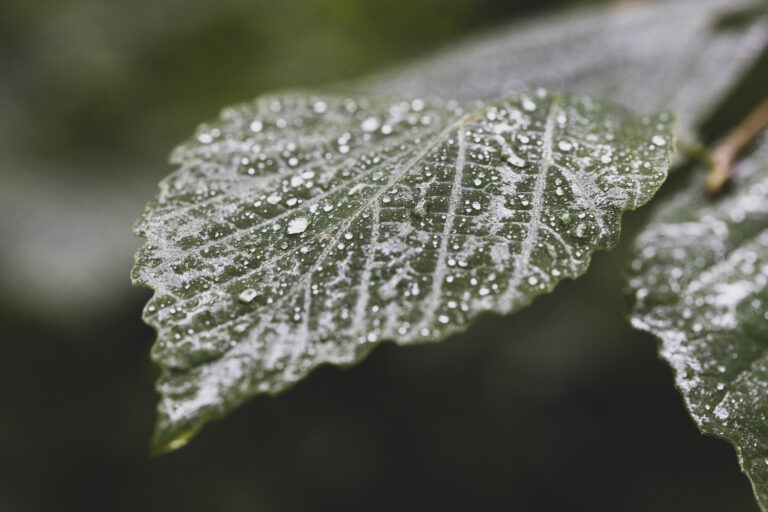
(725, 154)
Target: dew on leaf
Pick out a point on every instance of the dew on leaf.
(320, 107)
(370, 124)
(247, 295)
(354, 237)
(297, 225)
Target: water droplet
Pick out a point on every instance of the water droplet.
(370, 124)
(297, 225)
(515, 160)
(528, 105)
(274, 198)
(659, 140)
(564, 145)
(320, 107)
(247, 295)
(443, 319)
(256, 126)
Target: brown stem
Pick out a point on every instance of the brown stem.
(724, 156)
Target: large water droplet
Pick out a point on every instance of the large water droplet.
(297, 225)
(528, 105)
(320, 107)
(370, 124)
(247, 295)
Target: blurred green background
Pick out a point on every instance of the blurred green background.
(560, 407)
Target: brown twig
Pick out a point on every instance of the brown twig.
(725, 154)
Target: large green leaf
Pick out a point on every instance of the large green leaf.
(303, 229)
(700, 283)
(681, 55)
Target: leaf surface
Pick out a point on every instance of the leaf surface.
(303, 229)
(680, 55)
(700, 283)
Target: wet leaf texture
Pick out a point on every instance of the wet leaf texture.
(303, 229)
(700, 283)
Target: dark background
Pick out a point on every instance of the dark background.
(559, 407)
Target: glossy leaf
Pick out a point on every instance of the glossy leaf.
(303, 229)
(700, 283)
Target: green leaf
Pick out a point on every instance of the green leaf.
(681, 55)
(303, 229)
(700, 283)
